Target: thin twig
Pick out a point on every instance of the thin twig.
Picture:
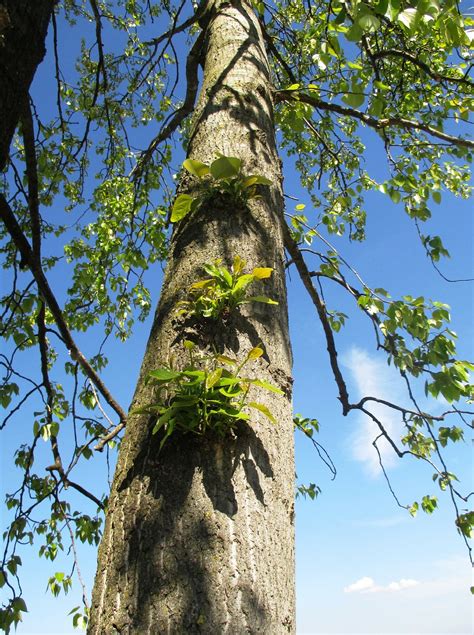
(372, 122)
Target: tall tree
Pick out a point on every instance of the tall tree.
(199, 536)
(199, 523)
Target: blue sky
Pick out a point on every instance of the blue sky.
(363, 564)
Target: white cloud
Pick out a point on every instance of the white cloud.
(372, 377)
(361, 585)
(367, 585)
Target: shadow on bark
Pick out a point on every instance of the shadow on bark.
(245, 110)
(174, 544)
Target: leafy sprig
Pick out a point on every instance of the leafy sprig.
(225, 290)
(222, 176)
(209, 394)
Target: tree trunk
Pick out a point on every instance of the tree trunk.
(199, 536)
(23, 27)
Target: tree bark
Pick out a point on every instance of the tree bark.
(23, 28)
(199, 536)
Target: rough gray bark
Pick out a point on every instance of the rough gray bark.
(23, 27)
(199, 537)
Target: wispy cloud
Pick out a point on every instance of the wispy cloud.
(367, 585)
(372, 377)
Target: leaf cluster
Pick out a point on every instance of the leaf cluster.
(424, 323)
(12, 614)
(312, 490)
(225, 290)
(223, 176)
(306, 425)
(208, 395)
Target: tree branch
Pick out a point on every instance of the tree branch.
(305, 276)
(180, 28)
(372, 122)
(108, 437)
(68, 483)
(180, 115)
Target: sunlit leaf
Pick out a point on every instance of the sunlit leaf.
(260, 298)
(181, 207)
(255, 353)
(225, 167)
(262, 272)
(255, 180)
(262, 408)
(197, 168)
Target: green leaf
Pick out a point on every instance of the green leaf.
(227, 277)
(164, 374)
(408, 18)
(225, 167)
(263, 409)
(255, 353)
(368, 23)
(265, 384)
(465, 523)
(354, 99)
(19, 605)
(355, 33)
(382, 6)
(262, 272)
(238, 265)
(181, 207)
(296, 121)
(226, 360)
(341, 16)
(184, 401)
(196, 168)
(243, 282)
(377, 106)
(395, 196)
(199, 284)
(166, 416)
(231, 381)
(213, 378)
(429, 504)
(255, 180)
(194, 374)
(260, 298)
